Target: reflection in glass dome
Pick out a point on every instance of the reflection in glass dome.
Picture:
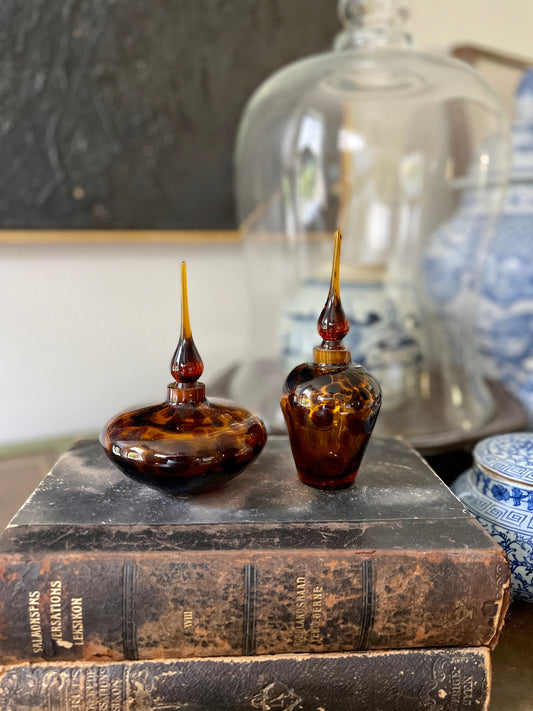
(503, 326)
(383, 143)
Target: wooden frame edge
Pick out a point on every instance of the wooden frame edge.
(67, 236)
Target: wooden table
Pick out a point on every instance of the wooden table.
(512, 662)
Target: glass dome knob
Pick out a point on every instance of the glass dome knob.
(372, 23)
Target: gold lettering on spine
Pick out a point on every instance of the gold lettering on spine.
(75, 692)
(301, 608)
(316, 614)
(116, 695)
(457, 684)
(76, 615)
(34, 614)
(187, 619)
(103, 689)
(56, 624)
(468, 691)
(91, 688)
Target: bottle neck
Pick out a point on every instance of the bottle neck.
(372, 24)
(185, 393)
(331, 356)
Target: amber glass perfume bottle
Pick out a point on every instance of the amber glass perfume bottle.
(330, 406)
(186, 444)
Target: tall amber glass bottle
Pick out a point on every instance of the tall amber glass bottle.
(331, 405)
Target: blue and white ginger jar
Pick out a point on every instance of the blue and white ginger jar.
(504, 314)
(498, 490)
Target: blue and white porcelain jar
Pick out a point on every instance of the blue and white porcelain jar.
(498, 490)
(504, 314)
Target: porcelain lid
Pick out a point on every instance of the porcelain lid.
(509, 455)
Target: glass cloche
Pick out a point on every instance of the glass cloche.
(379, 141)
(503, 325)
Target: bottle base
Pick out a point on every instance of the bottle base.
(327, 483)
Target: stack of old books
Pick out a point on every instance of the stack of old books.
(266, 594)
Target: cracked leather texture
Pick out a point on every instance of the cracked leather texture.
(443, 680)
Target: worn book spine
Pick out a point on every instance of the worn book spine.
(140, 605)
(447, 679)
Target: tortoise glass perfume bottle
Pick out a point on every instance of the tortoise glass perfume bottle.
(330, 406)
(186, 444)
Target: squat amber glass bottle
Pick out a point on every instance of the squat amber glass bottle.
(330, 406)
(187, 444)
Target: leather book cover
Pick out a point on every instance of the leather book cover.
(445, 679)
(98, 566)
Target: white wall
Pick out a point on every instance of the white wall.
(501, 26)
(88, 330)
(505, 25)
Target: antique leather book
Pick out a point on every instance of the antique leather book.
(98, 566)
(444, 679)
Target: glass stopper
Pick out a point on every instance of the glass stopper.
(332, 324)
(186, 366)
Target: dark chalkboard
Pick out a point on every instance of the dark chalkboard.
(123, 113)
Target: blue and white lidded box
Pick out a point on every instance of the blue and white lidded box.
(498, 490)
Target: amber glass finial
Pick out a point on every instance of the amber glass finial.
(186, 366)
(330, 406)
(186, 444)
(332, 324)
